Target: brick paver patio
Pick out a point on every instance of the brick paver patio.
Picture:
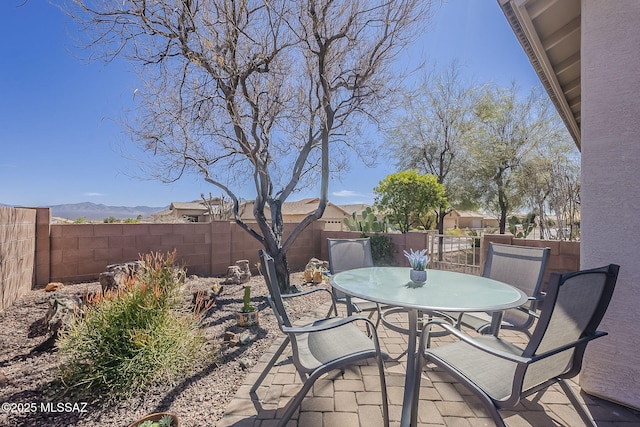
(353, 399)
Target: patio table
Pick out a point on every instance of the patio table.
(446, 291)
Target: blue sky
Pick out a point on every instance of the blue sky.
(60, 137)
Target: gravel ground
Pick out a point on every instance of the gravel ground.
(26, 376)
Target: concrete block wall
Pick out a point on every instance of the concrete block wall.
(245, 246)
(17, 253)
(34, 252)
(43, 247)
(80, 252)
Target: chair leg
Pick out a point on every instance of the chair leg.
(485, 400)
(580, 408)
(272, 362)
(378, 310)
(418, 380)
(297, 399)
(383, 387)
(369, 331)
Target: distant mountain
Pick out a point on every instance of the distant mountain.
(95, 212)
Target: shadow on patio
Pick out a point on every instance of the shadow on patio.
(354, 399)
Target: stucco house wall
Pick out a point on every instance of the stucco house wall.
(611, 183)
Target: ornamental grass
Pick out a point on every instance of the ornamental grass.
(135, 338)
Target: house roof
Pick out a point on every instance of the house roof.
(354, 207)
(187, 206)
(549, 32)
(468, 214)
(305, 207)
(302, 207)
(195, 205)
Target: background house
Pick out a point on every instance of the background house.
(294, 212)
(190, 211)
(468, 219)
(215, 208)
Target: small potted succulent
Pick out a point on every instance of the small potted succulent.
(248, 315)
(159, 419)
(418, 261)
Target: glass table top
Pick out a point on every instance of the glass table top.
(443, 290)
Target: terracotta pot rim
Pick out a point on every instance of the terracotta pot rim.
(156, 417)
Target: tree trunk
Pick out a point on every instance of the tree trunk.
(503, 221)
(282, 272)
(441, 214)
(502, 203)
(272, 241)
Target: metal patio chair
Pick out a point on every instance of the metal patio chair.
(322, 346)
(502, 374)
(522, 267)
(347, 254)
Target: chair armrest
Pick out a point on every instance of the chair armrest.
(535, 301)
(529, 311)
(335, 323)
(324, 326)
(502, 354)
(539, 297)
(583, 340)
(308, 291)
(469, 340)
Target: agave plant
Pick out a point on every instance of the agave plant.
(165, 421)
(418, 260)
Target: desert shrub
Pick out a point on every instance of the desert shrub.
(133, 339)
(454, 232)
(382, 250)
(474, 233)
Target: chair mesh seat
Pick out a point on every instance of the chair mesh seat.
(321, 347)
(492, 374)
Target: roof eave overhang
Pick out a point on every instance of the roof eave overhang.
(520, 21)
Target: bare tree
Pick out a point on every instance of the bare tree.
(218, 208)
(544, 177)
(267, 92)
(565, 201)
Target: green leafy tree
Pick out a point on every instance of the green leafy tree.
(430, 132)
(406, 196)
(508, 131)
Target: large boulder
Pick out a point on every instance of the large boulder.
(238, 274)
(53, 286)
(316, 264)
(60, 313)
(314, 271)
(116, 276)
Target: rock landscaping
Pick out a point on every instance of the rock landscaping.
(32, 395)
